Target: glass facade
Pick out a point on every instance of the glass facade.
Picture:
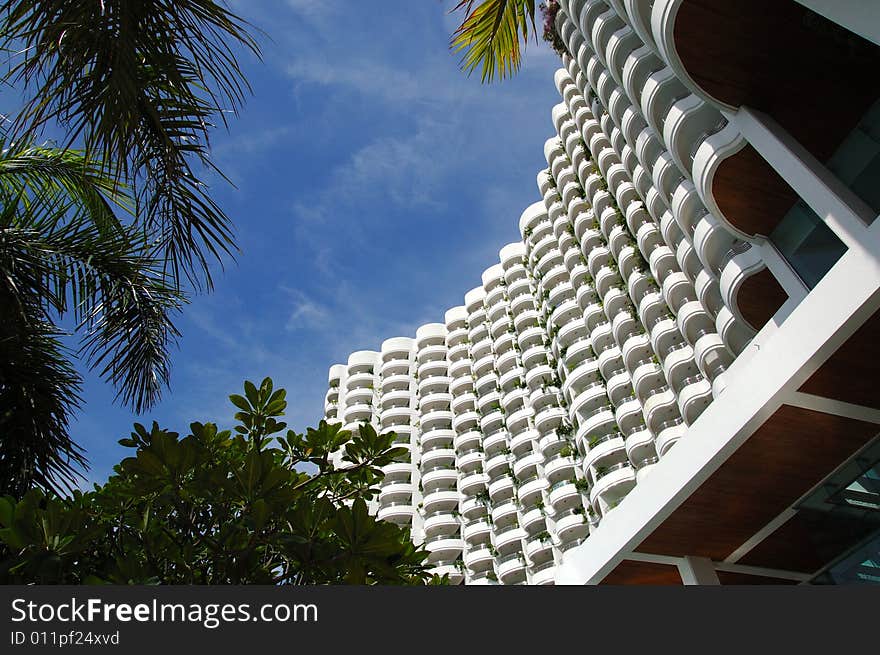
(807, 243)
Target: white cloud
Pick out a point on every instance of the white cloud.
(305, 312)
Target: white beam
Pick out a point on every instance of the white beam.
(847, 296)
(836, 407)
(697, 571)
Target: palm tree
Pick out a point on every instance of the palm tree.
(490, 35)
(65, 255)
(108, 228)
(141, 84)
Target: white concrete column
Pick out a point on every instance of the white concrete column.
(841, 209)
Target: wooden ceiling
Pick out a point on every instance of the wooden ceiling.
(814, 77)
(788, 455)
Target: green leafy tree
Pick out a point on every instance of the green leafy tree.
(220, 507)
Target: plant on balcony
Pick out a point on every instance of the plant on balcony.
(582, 485)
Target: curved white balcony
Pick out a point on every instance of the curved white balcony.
(463, 402)
(572, 524)
(473, 483)
(549, 418)
(443, 547)
(439, 477)
(436, 400)
(400, 513)
(559, 467)
(563, 494)
(518, 422)
(460, 367)
(735, 333)
(359, 380)
(533, 520)
(357, 413)
(486, 384)
(604, 448)
(639, 445)
(659, 407)
(433, 383)
(392, 492)
(443, 522)
(501, 488)
(477, 530)
(462, 384)
(694, 397)
(468, 460)
(396, 398)
(679, 364)
(436, 437)
(492, 421)
(399, 471)
(539, 375)
(452, 569)
(527, 466)
(442, 455)
(694, 321)
(497, 463)
(601, 418)
(539, 548)
(592, 396)
(668, 434)
(522, 441)
(514, 399)
(440, 499)
(512, 569)
(508, 536)
(543, 575)
(612, 485)
(662, 262)
(711, 355)
(465, 422)
(480, 558)
(504, 513)
(629, 415)
(495, 442)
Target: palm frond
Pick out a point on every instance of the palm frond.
(39, 389)
(489, 36)
(142, 83)
(115, 290)
(33, 169)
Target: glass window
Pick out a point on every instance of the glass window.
(807, 243)
(856, 162)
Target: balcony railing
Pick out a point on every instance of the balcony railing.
(642, 463)
(602, 472)
(560, 483)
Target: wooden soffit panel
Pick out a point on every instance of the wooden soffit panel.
(788, 455)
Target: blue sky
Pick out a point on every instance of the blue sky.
(375, 183)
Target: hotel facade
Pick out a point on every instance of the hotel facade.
(671, 378)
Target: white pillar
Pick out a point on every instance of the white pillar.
(698, 571)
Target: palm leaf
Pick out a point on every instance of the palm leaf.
(489, 36)
(142, 83)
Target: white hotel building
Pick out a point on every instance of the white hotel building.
(672, 378)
